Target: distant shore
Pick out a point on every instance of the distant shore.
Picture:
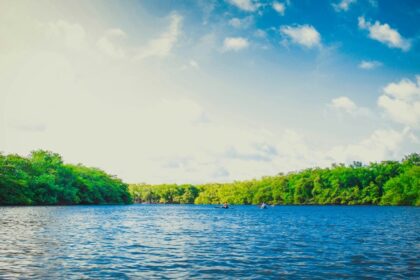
(43, 178)
(384, 183)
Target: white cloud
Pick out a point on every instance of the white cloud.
(245, 5)
(235, 43)
(162, 45)
(192, 64)
(343, 5)
(256, 152)
(401, 101)
(171, 132)
(259, 33)
(346, 105)
(73, 34)
(369, 64)
(373, 3)
(235, 22)
(168, 135)
(279, 7)
(385, 34)
(305, 35)
(107, 43)
(382, 144)
(241, 23)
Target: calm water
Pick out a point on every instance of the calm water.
(160, 241)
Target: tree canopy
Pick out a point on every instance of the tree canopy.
(384, 183)
(43, 179)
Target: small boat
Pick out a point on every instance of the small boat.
(223, 206)
(263, 206)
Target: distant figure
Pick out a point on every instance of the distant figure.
(225, 205)
(263, 205)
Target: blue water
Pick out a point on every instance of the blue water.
(188, 241)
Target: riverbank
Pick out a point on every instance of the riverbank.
(43, 178)
(384, 183)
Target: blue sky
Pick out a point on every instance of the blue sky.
(200, 91)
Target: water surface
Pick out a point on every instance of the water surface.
(190, 241)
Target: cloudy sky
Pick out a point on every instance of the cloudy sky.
(197, 91)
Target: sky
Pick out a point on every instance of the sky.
(201, 91)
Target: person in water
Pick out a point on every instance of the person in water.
(225, 205)
(263, 205)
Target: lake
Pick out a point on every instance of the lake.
(192, 241)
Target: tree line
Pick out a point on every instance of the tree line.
(43, 179)
(384, 183)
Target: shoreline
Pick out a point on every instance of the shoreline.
(235, 205)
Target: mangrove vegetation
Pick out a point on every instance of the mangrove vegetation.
(43, 179)
(384, 183)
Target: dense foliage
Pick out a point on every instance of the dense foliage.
(43, 179)
(385, 183)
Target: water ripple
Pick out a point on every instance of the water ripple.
(187, 241)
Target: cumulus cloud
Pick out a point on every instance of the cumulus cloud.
(235, 43)
(343, 103)
(241, 23)
(384, 34)
(346, 105)
(279, 7)
(369, 64)
(343, 5)
(168, 137)
(107, 44)
(401, 101)
(245, 5)
(305, 35)
(380, 145)
(162, 45)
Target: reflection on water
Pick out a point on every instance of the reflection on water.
(158, 241)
